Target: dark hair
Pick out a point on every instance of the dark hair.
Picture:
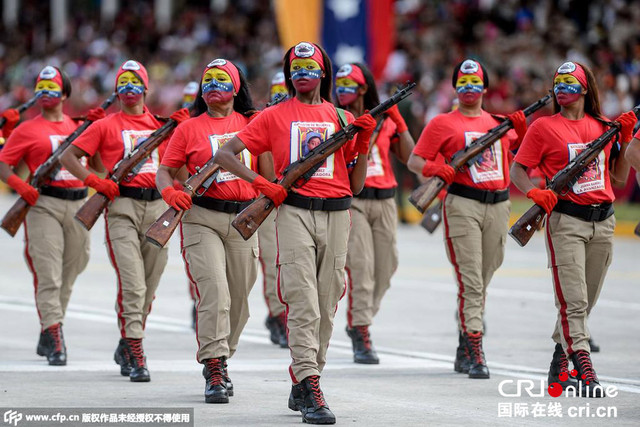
(242, 102)
(591, 98)
(325, 84)
(370, 98)
(485, 75)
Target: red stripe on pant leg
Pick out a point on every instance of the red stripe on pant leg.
(193, 282)
(33, 270)
(112, 256)
(564, 321)
(456, 269)
(349, 298)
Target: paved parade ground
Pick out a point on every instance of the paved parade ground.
(414, 333)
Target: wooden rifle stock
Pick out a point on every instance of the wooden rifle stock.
(422, 196)
(432, 217)
(248, 221)
(161, 230)
(637, 230)
(18, 212)
(524, 228)
(21, 109)
(527, 224)
(89, 213)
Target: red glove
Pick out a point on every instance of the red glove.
(442, 194)
(181, 115)
(96, 114)
(627, 122)
(519, 121)
(394, 114)
(367, 124)
(27, 192)
(546, 199)
(105, 186)
(178, 185)
(444, 171)
(276, 192)
(12, 117)
(178, 200)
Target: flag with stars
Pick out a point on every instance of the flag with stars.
(359, 31)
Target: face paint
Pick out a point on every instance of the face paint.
(49, 93)
(277, 90)
(347, 91)
(305, 74)
(469, 89)
(567, 89)
(130, 88)
(216, 86)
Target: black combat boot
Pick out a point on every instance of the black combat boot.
(588, 384)
(316, 410)
(139, 372)
(215, 389)
(462, 362)
(560, 365)
(282, 327)
(478, 367)
(274, 329)
(194, 316)
(595, 348)
(296, 398)
(121, 357)
(42, 349)
(363, 351)
(53, 345)
(227, 380)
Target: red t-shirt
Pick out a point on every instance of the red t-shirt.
(118, 134)
(34, 141)
(552, 141)
(196, 141)
(286, 128)
(451, 132)
(379, 169)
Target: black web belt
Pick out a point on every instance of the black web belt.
(138, 193)
(376, 193)
(483, 196)
(64, 193)
(318, 203)
(589, 213)
(226, 206)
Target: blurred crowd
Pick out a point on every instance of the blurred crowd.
(521, 43)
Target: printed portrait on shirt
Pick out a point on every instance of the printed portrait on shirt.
(63, 174)
(488, 166)
(305, 136)
(218, 141)
(592, 179)
(132, 140)
(374, 162)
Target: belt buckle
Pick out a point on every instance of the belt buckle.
(489, 197)
(594, 213)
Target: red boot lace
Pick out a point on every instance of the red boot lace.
(563, 363)
(475, 340)
(585, 366)
(215, 371)
(315, 392)
(364, 333)
(136, 352)
(282, 318)
(56, 334)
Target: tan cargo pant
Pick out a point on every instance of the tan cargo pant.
(580, 253)
(475, 235)
(312, 251)
(372, 258)
(224, 268)
(268, 252)
(138, 263)
(56, 251)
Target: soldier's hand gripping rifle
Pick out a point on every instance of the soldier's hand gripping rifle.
(16, 215)
(297, 173)
(126, 168)
(21, 109)
(561, 182)
(422, 196)
(161, 230)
